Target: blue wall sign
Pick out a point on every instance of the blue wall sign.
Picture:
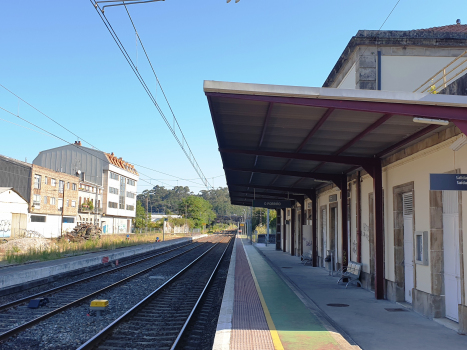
(448, 182)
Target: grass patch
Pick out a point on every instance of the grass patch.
(60, 248)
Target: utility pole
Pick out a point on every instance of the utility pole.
(186, 213)
(147, 210)
(63, 208)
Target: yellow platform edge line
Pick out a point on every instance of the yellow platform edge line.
(272, 328)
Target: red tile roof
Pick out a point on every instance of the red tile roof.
(453, 28)
(119, 162)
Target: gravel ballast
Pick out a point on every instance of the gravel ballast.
(75, 326)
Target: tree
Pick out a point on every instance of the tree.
(197, 209)
(220, 200)
(260, 216)
(142, 216)
(161, 199)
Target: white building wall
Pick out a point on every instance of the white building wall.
(406, 73)
(51, 228)
(349, 81)
(10, 202)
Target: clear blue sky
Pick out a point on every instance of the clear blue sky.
(58, 56)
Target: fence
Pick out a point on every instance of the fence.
(445, 75)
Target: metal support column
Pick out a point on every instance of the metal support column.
(278, 228)
(292, 232)
(314, 228)
(379, 238)
(345, 245)
(303, 219)
(284, 230)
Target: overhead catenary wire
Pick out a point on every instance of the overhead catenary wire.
(188, 153)
(73, 144)
(80, 138)
(379, 30)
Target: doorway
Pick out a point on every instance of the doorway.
(323, 235)
(452, 285)
(333, 235)
(407, 202)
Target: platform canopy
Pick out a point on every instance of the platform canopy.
(283, 141)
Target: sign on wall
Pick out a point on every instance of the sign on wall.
(271, 204)
(448, 182)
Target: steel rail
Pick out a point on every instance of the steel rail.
(56, 289)
(26, 325)
(104, 333)
(180, 334)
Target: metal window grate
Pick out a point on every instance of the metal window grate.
(407, 200)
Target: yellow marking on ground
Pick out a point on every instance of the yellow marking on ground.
(272, 328)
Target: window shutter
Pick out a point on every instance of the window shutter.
(407, 199)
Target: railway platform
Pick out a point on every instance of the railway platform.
(260, 311)
(24, 276)
(272, 301)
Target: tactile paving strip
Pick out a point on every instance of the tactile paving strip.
(249, 327)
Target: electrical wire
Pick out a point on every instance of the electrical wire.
(122, 49)
(80, 138)
(379, 30)
(73, 144)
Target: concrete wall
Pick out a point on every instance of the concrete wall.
(51, 228)
(402, 68)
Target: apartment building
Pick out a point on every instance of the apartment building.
(107, 184)
(52, 196)
(53, 205)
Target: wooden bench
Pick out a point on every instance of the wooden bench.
(352, 273)
(307, 258)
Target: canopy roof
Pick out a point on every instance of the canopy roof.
(279, 140)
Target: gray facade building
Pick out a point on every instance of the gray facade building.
(16, 174)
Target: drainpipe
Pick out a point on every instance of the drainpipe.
(359, 218)
(379, 70)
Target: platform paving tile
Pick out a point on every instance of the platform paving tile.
(249, 326)
(366, 320)
(297, 327)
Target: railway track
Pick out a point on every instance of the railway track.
(15, 317)
(160, 320)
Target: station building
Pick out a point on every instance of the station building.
(355, 159)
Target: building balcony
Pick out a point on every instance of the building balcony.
(86, 209)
